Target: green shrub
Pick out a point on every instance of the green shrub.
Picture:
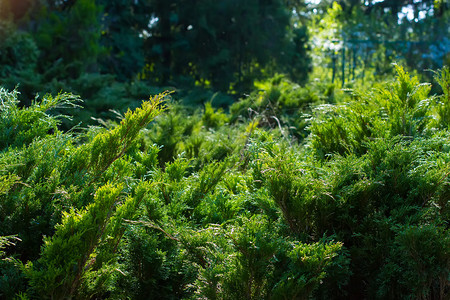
(204, 204)
(280, 103)
(19, 126)
(400, 108)
(418, 265)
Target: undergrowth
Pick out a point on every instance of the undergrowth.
(295, 193)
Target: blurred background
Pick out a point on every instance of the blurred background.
(114, 52)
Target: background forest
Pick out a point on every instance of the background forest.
(287, 149)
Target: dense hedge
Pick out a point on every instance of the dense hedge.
(286, 197)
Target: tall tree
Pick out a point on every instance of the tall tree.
(226, 44)
(123, 24)
(68, 37)
(373, 34)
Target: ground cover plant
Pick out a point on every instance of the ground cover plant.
(295, 193)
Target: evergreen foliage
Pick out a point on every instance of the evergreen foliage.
(218, 205)
(239, 179)
(225, 45)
